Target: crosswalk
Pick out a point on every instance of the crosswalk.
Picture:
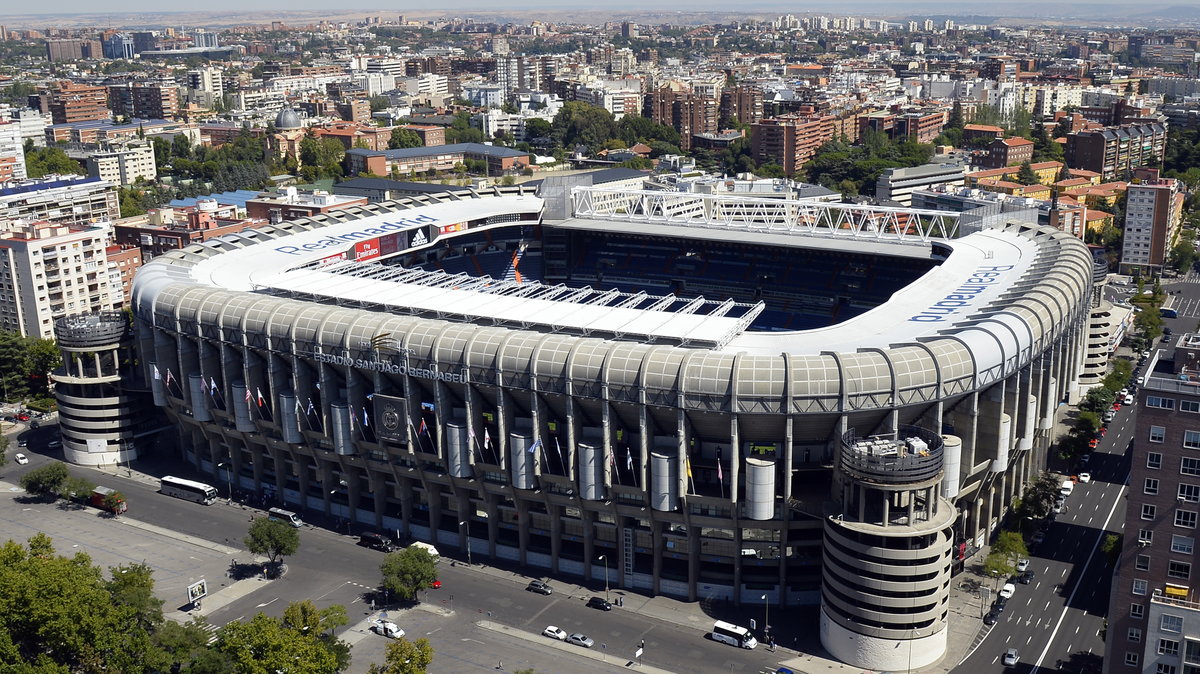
(1187, 308)
(212, 631)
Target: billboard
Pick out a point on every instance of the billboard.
(391, 418)
(367, 250)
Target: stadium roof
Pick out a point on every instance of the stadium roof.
(465, 148)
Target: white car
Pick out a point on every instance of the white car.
(1022, 565)
(1129, 400)
(388, 629)
(21, 458)
(1122, 393)
(1008, 590)
(1010, 657)
(555, 633)
(1085, 478)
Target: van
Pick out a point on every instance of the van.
(1066, 488)
(376, 542)
(281, 515)
(427, 548)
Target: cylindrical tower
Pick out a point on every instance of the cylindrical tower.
(101, 400)
(885, 584)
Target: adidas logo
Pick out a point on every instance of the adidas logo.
(419, 239)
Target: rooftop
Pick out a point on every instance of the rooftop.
(456, 148)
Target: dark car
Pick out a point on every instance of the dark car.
(376, 542)
(540, 587)
(1001, 602)
(600, 603)
(991, 618)
(1025, 578)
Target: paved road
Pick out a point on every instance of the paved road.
(330, 569)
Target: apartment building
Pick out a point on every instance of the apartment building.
(790, 140)
(12, 153)
(123, 165)
(155, 101)
(1115, 151)
(166, 229)
(1153, 211)
(1153, 615)
(1004, 152)
(439, 158)
(123, 263)
(73, 49)
(50, 270)
(743, 102)
(70, 102)
(683, 110)
(898, 184)
(59, 199)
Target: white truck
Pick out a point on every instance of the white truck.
(1067, 487)
(433, 552)
(388, 629)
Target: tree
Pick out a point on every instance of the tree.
(537, 128)
(998, 565)
(407, 571)
(45, 481)
(956, 121)
(403, 138)
(405, 657)
(272, 538)
(132, 586)
(1111, 547)
(1026, 176)
(264, 645)
(1011, 545)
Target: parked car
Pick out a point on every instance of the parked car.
(540, 587)
(1085, 478)
(581, 640)
(1010, 657)
(54, 444)
(21, 458)
(1022, 565)
(1008, 590)
(555, 633)
(1038, 537)
(991, 617)
(600, 603)
(388, 629)
(1026, 578)
(376, 542)
(1129, 399)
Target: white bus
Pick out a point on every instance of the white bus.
(188, 489)
(733, 635)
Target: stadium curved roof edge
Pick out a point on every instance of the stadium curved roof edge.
(997, 300)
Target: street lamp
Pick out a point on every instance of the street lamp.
(604, 558)
(464, 524)
(228, 475)
(766, 615)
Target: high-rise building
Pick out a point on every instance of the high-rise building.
(145, 40)
(119, 46)
(685, 111)
(70, 103)
(205, 86)
(155, 101)
(1153, 210)
(1114, 152)
(59, 199)
(1153, 614)
(206, 39)
(743, 102)
(629, 29)
(124, 165)
(790, 141)
(12, 153)
(52, 270)
(73, 49)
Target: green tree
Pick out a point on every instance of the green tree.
(956, 120)
(404, 138)
(132, 587)
(265, 645)
(44, 161)
(998, 565)
(272, 538)
(1011, 545)
(45, 481)
(1111, 547)
(537, 128)
(1026, 176)
(407, 571)
(405, 657)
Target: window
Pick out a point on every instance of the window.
(1189, 406)
(1159, 401)
(1189, 466)
(1191, 652)
(1153, 460)
(1171, 623)
(1182, 544)
(1168, 647)
(1139, 587)
(1163, 668)
(1150, 486)
(1136, 610)
(1149, 511)
(1142, 563)
(1135, 635)
(1131, 658)
(1189, 492)
(1157, 433)
(1179, 570)
(1191, 439)
(1185, 518)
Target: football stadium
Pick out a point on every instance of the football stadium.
(708, 397)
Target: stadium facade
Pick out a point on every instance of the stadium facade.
(541, 378)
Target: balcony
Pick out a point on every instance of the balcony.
(910, 455)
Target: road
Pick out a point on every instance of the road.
(330, 568)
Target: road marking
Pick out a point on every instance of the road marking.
(268, 603)
(1087, 563)
(1047, 606)
(1030, 638)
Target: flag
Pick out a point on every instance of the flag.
(212, 386)
(688, 462)
(203, 384)
(558, 448)
(157, 374)
(720, 473)
(310, 407)
(318, 386)
(168, 376)
(370, 396)
(537, 444)
(248, 396)
(629, 459)
(299, 408)
(366, 422)
(353, 418)
(260, 398)
(424, 428)
(487, 438)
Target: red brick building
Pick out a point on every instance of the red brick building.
(790, 141)
(1008, 152)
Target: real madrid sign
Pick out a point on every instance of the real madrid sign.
(431, 372)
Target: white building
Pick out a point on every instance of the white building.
(32, 123)
(75, 199)
(12, 152)
(50, 270)
(484, 94)
(205, 86)
(124, 165)
(1152, 215)
(259, 100)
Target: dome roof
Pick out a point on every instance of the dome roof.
(288, 119)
